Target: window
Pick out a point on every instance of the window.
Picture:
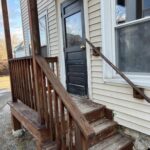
(43, 35)
(126, 29)
(74, 30)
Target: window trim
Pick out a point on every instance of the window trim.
(108, 46)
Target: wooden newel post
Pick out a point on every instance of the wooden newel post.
(8, 41)
(35, 42)
(6, 29)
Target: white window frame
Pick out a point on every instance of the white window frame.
(45, 13)
(108, 46)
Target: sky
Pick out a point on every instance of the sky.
(14, 19)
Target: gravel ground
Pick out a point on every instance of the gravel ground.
(8, 141)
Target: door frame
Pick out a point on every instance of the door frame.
(63, 16)
(61, 46)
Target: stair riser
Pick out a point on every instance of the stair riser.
(95, 115)
(109, 114)
(104, 134)
(128, 147)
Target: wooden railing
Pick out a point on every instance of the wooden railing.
(138, 90)
(68, 126)
(23, 82)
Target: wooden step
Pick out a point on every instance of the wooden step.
(29, 119)
(91, 110)
(49, 146)
(103, 128)
(115, 142)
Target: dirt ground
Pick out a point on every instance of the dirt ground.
(8, 140)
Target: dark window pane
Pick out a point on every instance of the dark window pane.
(146, 4)
(134, 48)
(74, 30)
(146, 8)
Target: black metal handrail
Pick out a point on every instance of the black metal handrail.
(139, 91)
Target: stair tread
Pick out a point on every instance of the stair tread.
(50, 146)
(102, 124)
(86, 105)
(115, 142)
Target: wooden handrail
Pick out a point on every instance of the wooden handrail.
(75, 113)
(119, 72)
(48, 59)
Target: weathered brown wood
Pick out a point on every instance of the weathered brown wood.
(9, 51)
(16, 124)
(40, 103)
(29, 84)
(29, 119)
(35, 42)
(77, 116)
(51, 59)
(21, 58)
(6, 29)
(56, 119)
(63, 132)
(44, 95)
(33, 86)
(51, 117)
(70, 132)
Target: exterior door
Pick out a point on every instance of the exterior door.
(74, 47)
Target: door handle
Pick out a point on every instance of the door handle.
(82, 46)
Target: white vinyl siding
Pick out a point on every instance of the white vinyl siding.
(129, 112)
(48, 6)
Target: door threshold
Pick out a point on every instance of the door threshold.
(78, 97)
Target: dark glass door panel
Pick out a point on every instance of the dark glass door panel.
(73, 30)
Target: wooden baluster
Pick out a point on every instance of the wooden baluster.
(63, 125)
(41, 104)
(17, 82)
(26, 83)
(29, 83)
(20, 82)
(80, 141)
(33, 85)
(23, 82)
(44, 93)
(53, 67)
(14, 78)
(78, 145)
(17, 74)
(11, 63)
(51, 118)
(70, 136)
(14, 68)
(84, 143)
(57, 69)
(56, 119)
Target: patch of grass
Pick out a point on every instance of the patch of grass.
(4, 82)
